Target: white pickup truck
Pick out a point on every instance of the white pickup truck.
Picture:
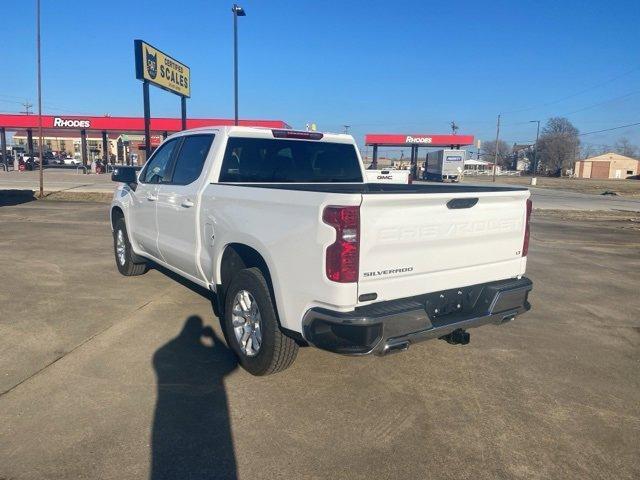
(300, 250)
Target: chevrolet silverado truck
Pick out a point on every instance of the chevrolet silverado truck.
(300, 250)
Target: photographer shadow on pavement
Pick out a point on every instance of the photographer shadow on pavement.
(191, 435)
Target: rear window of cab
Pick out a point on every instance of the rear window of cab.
(255, 160)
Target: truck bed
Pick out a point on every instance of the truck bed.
(379, 188)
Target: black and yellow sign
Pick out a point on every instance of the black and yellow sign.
(160, 69)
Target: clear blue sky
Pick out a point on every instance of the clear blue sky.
(380, 66)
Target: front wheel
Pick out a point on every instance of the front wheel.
(252, 327)
(127, 262)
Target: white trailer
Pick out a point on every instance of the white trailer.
(445, 165)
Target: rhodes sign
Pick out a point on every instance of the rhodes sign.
(160, 69)
(71, 123)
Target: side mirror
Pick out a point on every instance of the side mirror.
(128, 175)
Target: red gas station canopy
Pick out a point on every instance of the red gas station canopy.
(421, 139)
(121, 124)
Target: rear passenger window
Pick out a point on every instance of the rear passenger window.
(190, 158)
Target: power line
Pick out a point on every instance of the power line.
(12, 101)
(575, 94)
(609, 129)
(600, 103)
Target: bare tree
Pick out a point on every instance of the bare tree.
(558, 145)
(624, 147)
(489, 151)
(588, 151)
(605, 149)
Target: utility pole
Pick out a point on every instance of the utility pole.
(41, 141)
(27, 106)
(495, 153)
(535, 148)
(454, 127)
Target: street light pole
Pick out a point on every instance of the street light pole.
(40, 142)
(238, 11)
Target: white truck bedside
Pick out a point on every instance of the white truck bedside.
(301, 250)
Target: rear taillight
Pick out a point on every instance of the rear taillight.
(527, 230)
(343, 255)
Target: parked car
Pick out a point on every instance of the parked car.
(51, 159)
(301, 250)
(71, 161)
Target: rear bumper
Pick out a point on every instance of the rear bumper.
(383, 327)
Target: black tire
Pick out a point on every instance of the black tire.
(277, 351)
(133, 265)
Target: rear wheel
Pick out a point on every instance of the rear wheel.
(252, 326)
(128, 263)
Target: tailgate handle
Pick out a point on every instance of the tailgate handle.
(462, 202)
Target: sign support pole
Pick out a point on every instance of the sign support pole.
(183, 110)
(414, 162)
(3, 146)
(147, 119)
(83, 147)
(30, 142)
(105, 149)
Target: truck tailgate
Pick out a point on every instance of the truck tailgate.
(426, 242)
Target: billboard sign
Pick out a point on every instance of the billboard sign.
(158, 68)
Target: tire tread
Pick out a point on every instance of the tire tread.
(130, 268)
(285, 349)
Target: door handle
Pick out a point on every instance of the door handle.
(151, 198)
(187, 203)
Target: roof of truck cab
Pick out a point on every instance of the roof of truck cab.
(263, 132)
(266, 132)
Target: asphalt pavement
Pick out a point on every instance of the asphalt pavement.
(56, 180)
(550, 199)
(107, 377)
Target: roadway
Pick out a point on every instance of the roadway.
(543, 198)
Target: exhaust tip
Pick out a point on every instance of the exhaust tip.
(395, 347)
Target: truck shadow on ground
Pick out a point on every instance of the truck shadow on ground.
(191, 433)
